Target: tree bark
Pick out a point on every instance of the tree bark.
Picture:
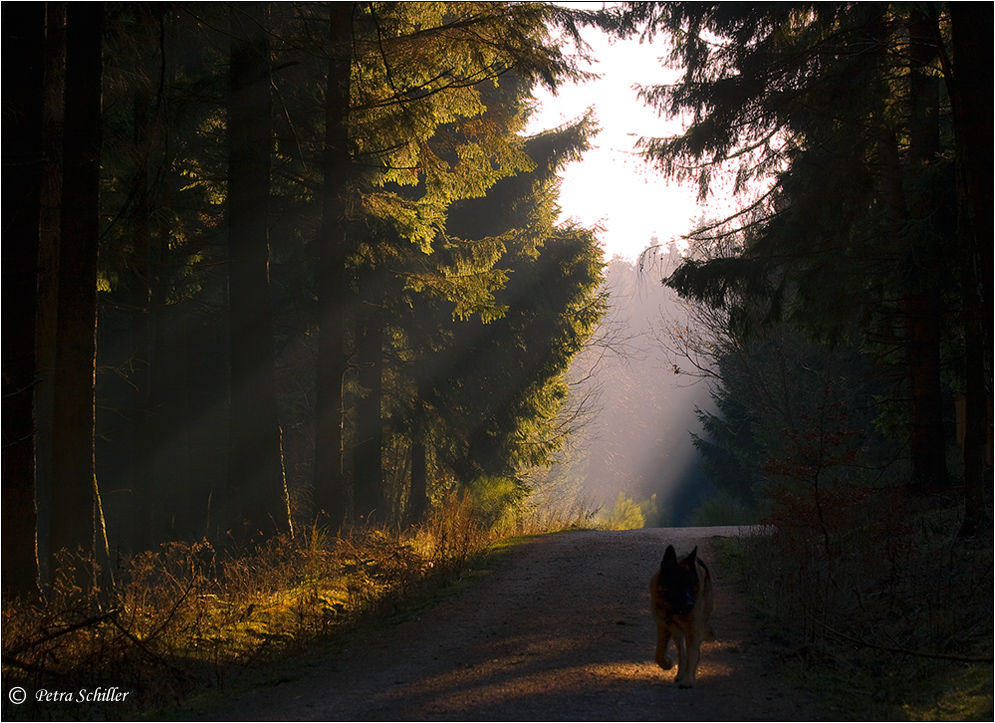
(139, 522)
(418, 503)
(970, 91)
(331, 496)
(48, 267)
(257, 488)
(923, 307)
(923, 323)
(74, 499)
(22, 175)
(369, 498)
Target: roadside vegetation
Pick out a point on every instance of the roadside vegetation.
(185, 620)
(890, 622)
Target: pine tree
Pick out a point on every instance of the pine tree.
(495, 384)
(841, 106)
(401, 78)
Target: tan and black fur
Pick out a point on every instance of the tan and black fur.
(682, 605)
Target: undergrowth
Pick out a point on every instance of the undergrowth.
(187, 618)
(877, 605)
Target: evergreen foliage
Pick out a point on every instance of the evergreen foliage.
(245, 269)
(833, 122)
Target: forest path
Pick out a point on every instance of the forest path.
(560, 630)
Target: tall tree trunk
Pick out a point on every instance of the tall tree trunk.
(257, 488)
(369, 498)
(48, 268)
(923, 308)
(139, 469)
(970, 90)
(22, 163)
(418, 496)
(162, 326)
(418, 501)
(74, 500)
(331, 496)
(923, 323)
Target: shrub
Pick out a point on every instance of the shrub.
(185, 618)
(625, 515)
(723, 510)
(875, 592)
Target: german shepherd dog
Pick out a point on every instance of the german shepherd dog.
(682, 604)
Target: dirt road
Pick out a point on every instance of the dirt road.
(560, 631)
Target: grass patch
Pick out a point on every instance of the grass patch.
(186, 624)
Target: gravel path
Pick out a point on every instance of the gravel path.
(561, 630)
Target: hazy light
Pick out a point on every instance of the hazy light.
(638, 441)
(613, 187)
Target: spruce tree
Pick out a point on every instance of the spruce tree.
(840, 106)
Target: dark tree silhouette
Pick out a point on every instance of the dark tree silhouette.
(24, 33)
(257, 489)
(76, 520)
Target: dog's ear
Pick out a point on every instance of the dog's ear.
(669, 557)
(691, 557)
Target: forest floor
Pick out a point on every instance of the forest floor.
(560, 629)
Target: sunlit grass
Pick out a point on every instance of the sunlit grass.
(187, 618)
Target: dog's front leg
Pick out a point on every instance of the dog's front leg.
(682, 658)
(689, 661)
(662, 641)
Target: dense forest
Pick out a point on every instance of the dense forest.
(282, 271)
(844, 309)
(275, 264)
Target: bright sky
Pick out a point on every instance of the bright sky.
(612, 186)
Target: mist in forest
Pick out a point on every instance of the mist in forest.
(637, 413)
